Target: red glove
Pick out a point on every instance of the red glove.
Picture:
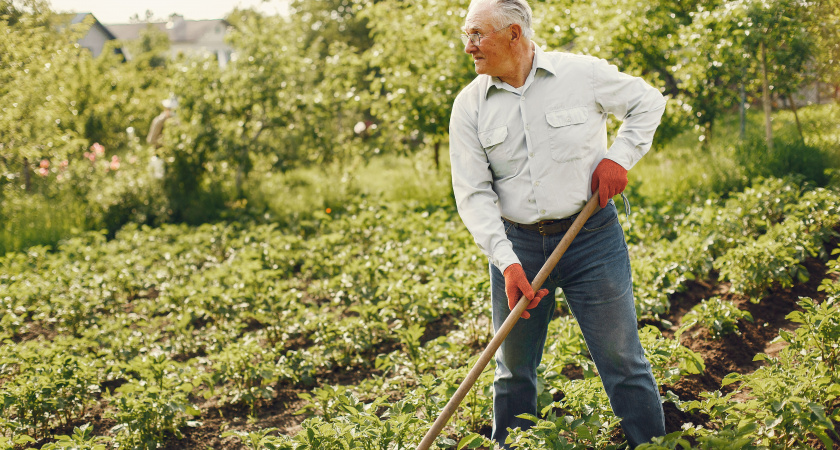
(610, 179)
(517, 285)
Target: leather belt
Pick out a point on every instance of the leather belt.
(549, 227)
(545, 227)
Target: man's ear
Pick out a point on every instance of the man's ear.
(515, 33)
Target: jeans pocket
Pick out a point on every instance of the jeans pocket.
(603, 219)
(508, 226)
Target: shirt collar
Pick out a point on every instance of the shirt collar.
(540, 62)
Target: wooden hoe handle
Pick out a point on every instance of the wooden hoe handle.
(500, 336)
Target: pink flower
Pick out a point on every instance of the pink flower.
(115, 163)
(43, 171)
(45, 164)
(98, 149)
(64, 164)
(90, 156)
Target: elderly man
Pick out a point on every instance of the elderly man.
(528, 145)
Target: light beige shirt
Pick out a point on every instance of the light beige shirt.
(528, 154)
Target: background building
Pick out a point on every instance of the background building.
(188, 37)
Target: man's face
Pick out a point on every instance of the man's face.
(493, 55)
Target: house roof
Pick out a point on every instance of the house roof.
(194, 29)
(74, 18)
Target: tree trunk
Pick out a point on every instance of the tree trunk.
(27, 177)
(742, 134)
(796, 116)
(768, 108)
(437, 156)
(707, 136)
(240, 171)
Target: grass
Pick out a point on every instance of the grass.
(32, 219)
(301, 194)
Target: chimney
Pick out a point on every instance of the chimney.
(177, 28)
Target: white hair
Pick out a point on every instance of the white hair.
(506, 12)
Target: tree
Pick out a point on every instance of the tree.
(419, 65)
(37, 56)
(641, 38)
(713, 64)
(776, 32)
(823, 25)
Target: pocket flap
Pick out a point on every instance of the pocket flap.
(494, 136)
(566, 117)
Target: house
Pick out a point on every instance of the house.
(96, 36)
(187, 37)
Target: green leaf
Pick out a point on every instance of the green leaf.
(530, 417)
(771, 423)
(24, 439)
(729, 379)
(471, 440)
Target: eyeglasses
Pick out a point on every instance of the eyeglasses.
(475, 38)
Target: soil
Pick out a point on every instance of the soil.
(732, 353)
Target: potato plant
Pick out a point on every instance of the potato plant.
(152, 320)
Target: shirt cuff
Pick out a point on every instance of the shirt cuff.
(503, 256)
(624, 154)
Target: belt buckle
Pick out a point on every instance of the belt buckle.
(542, 232)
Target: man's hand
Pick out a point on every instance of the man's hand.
(610, 179)
(517, 285)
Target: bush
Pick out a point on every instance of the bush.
(791, 155)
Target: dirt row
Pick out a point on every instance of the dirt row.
(732, 353)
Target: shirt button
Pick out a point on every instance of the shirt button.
(531, 155)
(542, 211)
(527, 127)
(537, 183)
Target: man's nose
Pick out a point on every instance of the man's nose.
(470, 48)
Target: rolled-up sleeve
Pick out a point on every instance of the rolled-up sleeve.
(472, 184)
(639, 105)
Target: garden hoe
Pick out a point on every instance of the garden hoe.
(500, 336)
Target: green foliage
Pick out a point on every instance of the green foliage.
(45, 394)
(669, 360)
(819, 331)
(718, 316)
(756, 239)
(415, 78)
(246, 372)
(260, 439)
(145, 414)
(790, 400)
(360, 427)
(234, 311)
(790, 156)
(588, 425)
(81, 439)
(358, 257)
(61, 101)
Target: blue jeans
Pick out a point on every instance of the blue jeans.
(594, 274)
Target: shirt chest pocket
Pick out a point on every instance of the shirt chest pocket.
(498, 153)
(567, 136)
